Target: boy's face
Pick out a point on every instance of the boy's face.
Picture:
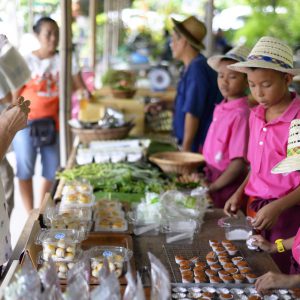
(232, 84)
(268, 87)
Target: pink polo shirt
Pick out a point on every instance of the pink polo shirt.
(267, 147)
(227, 136)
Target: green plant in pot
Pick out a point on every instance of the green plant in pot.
(122, 83)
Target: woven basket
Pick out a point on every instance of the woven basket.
(123, 94)
(177, 162)
(88, 135)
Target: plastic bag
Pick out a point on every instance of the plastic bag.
(27, 284)
(134, 289)
(109, 288)
(160, 280)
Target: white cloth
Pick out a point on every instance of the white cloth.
(40, 67)
(5, 240)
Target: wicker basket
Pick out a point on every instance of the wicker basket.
(127, 94)
(88, 135)
(177, 162)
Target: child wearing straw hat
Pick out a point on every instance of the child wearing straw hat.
(225, 147)
(197, 90)
(271, 279)
(274, 198)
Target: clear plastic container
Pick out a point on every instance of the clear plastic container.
(62, 267)
(59, 244)
(116, 257)
(117, 224)
(81, 186)
(236, 228)
(78, 200)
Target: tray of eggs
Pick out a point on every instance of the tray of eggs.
(222, 265)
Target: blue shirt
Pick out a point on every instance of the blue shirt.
(197, 94)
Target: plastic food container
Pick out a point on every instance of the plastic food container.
(236, 228)
(62, 267)
(60, 244)
(116, 256)
(81, 186)
(78, 200)
(78, 219)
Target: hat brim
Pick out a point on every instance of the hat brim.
(214, 61)
(185, 33)
(287, 165)
(245, 67)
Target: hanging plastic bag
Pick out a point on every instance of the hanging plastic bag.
(27, 284)
(160, 280)
(134, 289)
(12, 65)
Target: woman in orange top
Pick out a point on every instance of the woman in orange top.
(43, 90)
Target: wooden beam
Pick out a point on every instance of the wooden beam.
(65, 80)
(209, 19)
(92, 16)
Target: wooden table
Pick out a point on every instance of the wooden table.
(260, 262)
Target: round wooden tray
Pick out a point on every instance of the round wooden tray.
(177, 162)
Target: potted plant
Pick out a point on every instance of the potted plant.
(122, 83)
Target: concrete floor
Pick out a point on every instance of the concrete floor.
(19, 215)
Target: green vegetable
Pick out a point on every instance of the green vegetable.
(118, 177)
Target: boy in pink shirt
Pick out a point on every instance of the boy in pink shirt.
(225, 147)
(275, 197)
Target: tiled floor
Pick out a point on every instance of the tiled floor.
(19, 215)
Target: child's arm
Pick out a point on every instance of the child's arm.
(267, 216)
(273, 280)
(236, 169)
(266, 246)
(233, 204)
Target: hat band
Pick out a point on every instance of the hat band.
(293, 151)
(236, 57)
(270, 59)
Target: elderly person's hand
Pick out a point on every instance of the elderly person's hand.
(14, 118)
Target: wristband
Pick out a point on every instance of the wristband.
(279, 245)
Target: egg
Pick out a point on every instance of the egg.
(60, 252)
(63, 268)
(61, 244)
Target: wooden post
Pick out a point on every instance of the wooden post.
(209, 18)
(65, 80)
(92, 15)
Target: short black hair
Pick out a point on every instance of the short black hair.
(38, 25)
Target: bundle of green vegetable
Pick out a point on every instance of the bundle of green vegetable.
(118, 177)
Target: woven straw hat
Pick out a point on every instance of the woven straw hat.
(193, 30)
(292, 161)
(268, 53)
(238, 53)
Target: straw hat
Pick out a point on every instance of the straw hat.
(238, 53)
(268, 53)
(292, 161)
(193, 30)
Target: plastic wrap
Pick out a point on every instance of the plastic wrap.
(109, 288)
(160, 280)
(27, 284)
(134, 289)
